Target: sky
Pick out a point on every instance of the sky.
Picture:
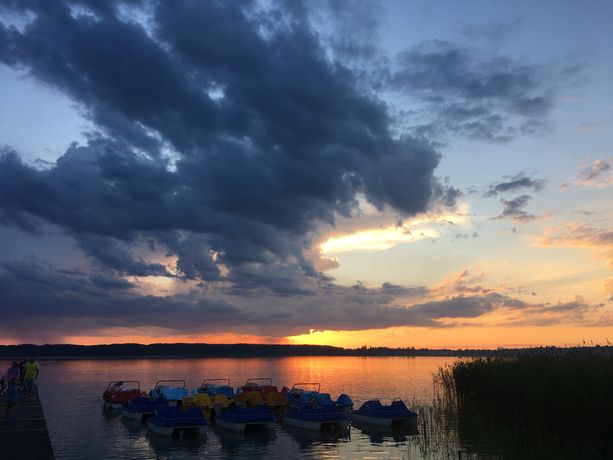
(427, 174)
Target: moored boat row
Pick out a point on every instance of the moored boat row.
(170, 408)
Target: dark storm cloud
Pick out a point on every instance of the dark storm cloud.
(225, 136)
(94, 302)
(285, 280)
(117, 256)
(472, 306)
(90, 189)
(514, 183)
(514, 209)
(474, 94)
(278, 130)
(33, 294)
(195, 259)
(79, 303)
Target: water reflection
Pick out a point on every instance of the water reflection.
(109, 414)
(134, 427)
(324, 443)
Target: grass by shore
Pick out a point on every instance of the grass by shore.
(535, 404)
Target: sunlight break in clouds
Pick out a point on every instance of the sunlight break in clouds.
(380, 239)
(375, 240)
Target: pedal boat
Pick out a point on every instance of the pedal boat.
(120, 392)
(172, 390)
(313, 410)
(210, 387)
(143, 407)
(259, 391)
(168, 421)
(374, 413)
(294, 395)
(240, 418)
(211, 396)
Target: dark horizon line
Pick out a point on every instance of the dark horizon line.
(204, 350)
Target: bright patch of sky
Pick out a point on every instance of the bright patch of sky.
(37, 121)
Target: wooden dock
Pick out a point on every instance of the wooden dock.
(26, 437)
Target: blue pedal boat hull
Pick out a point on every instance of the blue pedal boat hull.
(374, 413)
(239, 418)
(171, 420)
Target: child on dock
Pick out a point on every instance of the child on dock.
(12, 380)
(30, 375)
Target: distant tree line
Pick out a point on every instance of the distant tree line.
(203, 350)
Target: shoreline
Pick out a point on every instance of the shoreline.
(64, 352)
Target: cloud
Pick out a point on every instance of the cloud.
(114, 255)
(599, 174)
(77, 301)
(576, 311)
(475, 94)
(372, 230)
(491, 31)
(515, 183)
(580, 235)
(225, 138)
(514, 209)
(88, 302)
(464, 282)
(62, 302)
(608, 288)
(280, 152)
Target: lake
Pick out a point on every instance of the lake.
(71, 392)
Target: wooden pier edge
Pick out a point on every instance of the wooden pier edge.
(26, 437)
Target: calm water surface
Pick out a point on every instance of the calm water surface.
(71, 392)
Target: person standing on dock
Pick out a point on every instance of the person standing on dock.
(22, 372)
(12, 379)
(30, 375)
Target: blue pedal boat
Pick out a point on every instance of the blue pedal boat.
(312, 416)
(313, 410)
(375, 413)
(214, 387)
(172, 390)
(172, 420)
(344, 403)
(143, 407)
(238, 418)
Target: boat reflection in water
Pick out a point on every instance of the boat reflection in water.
(378, 434)
(253, 440)
(192, 444)
(327, 437)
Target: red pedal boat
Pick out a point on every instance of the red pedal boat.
(120, 392)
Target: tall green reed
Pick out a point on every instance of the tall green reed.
(541, 403)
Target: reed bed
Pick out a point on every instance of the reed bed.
(533, 404)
